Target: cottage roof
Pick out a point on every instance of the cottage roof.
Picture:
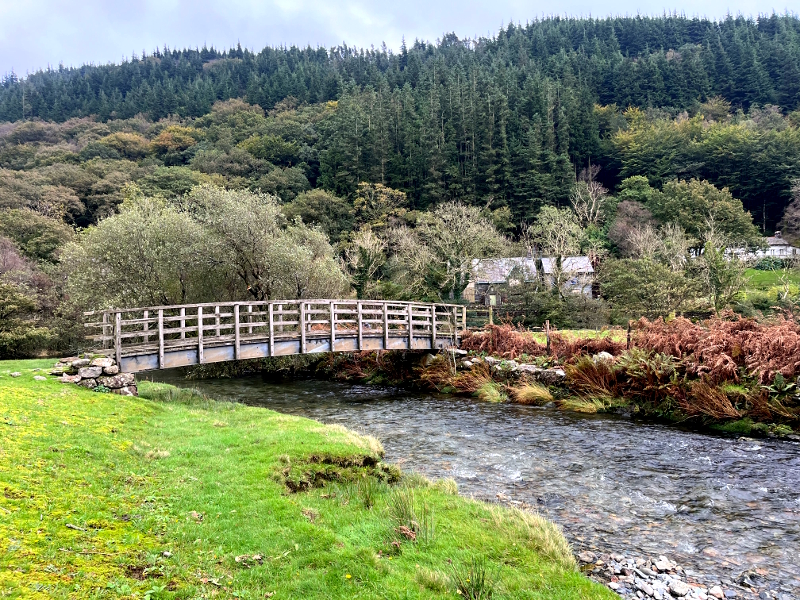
(499, 270)
(777, 240)
(577, 265)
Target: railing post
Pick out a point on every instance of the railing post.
(250, 319)
(200, 335)
(333, 325)
(216, 319)
(433, 326)
(118, 337)
(385, 326)
(360, 325)
(236, 349)
(455, 325)
(410, 327)
(302, 320)
(271, 330)
(106, 332)
(463, 318)
(183, 323)
(146, 327)
(160, 338)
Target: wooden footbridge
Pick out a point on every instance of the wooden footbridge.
(163, 337)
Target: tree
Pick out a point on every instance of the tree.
(39, 237)
(693, 204)
(364, 256)
(722, 275)
(557, 234)
(21, 331)
(149, 254)
(589, 198)
(334, 215)
(434, 259)
(644, 288)
(790, 223)
(271, 258)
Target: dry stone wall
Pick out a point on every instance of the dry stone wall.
(96, 372)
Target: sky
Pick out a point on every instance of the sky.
(35, 34)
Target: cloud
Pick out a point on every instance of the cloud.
(38, 33)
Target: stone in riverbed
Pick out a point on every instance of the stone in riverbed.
(90, 372)
(587, 557)
(644, 587)
(678, 588)
(118, 381)
(88, 383)
(112, 370)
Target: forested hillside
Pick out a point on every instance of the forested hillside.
(509, 119)
(382, 174)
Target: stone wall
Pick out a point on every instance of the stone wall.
(96, 372)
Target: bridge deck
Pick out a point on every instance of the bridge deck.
(163, 337)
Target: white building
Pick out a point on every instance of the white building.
(776, 246)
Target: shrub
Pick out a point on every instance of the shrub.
(531, 393)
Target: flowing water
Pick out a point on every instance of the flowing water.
(716, 505)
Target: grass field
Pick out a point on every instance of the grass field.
(764, 280)
(178, 496)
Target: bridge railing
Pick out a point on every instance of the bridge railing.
(129, 331)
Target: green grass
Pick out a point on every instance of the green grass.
(615, 334)
(178, 496)
(765, 280)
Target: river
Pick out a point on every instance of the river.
(716, 505)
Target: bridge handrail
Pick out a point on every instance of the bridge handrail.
(227, 323)
(289, 301)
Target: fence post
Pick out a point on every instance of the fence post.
(271, 329)
(628, 344)
(200, 335)
(385, 326)
(236, 348)
(118, 337)
(360, 326)
(160, 338)
(302, 320)
(410, 327)
(491, 320)
(433, 326)
(547, 334)
(463, 318)
(333, 325)
(106, 332)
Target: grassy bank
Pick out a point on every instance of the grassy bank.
(177, 496)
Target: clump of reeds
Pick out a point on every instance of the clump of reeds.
(708, 400)
(473, 579)
(439, 373)
(531, 393)
(471, 381)
(593, 378)
(491, 392)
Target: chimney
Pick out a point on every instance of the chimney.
(777, 234)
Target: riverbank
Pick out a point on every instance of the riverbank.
(174, 495)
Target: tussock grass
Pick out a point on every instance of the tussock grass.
(491, 392)
(171, 527)
(531, 393)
